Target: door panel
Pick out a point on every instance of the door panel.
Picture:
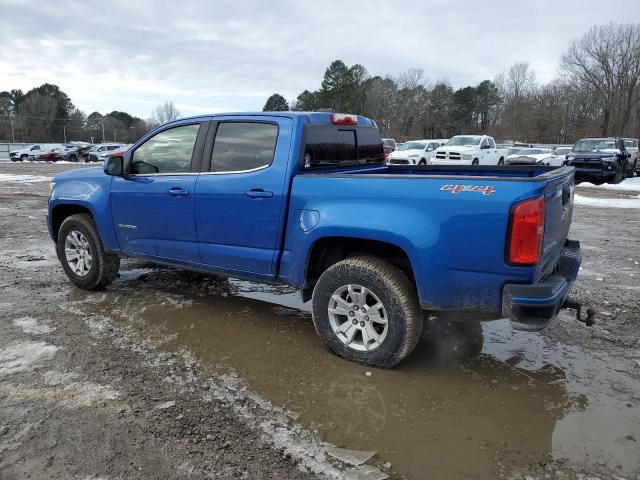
(150, 219)
(153, 207)
(239, 214)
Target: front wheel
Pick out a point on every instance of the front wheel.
(422, 162)
(618, 176)
(24, 158)
(82, 255)
(501, 161)
(475, 162)
(367, 311)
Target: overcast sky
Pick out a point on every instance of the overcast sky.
(212, 56)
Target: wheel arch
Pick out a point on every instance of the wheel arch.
(61, 212)
(327, 251)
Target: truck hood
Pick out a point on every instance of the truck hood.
(458, 149)
(598, 154)
(406, 153)
(80, 173)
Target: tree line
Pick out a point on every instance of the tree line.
(47, 114)
(596, 93)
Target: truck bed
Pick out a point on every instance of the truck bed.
(451, 221)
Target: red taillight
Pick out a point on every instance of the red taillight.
(344, 119)
(527, 231)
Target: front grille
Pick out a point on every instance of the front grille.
(448, 156)
(398, 161)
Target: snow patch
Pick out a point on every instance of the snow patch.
(629, 185)
(15, 178)
(25, 357)
(607, 202)
(30, 325)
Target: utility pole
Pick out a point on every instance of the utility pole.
(103, 140)
(64, 133)
(13, 137)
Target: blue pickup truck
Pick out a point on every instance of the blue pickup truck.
(306, 199)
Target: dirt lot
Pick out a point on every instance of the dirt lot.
(168, 374)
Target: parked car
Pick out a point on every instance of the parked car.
(511, 151)
(33, 151)
(562, 153)
(98, 153)
(600, 160)
(304, 199)
(49, 154)
(69, 153)
(470, 150)
(390, 142)
(535, 156)
(118, 151)
(416, 152)
(631, 144)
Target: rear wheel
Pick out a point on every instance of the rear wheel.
(24, 157)
(475, 162)
(422, 162)
(501, 161)
(367, 311)
(82, 255)
(73, 158)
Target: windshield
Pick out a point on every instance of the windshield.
(414, 146)
(563, 150)
(593, 145)
(532, 151)
(463, 142)
(631, 143)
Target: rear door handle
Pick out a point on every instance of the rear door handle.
(258, 193)
(177, 192)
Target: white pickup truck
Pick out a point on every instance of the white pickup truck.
(469, 150)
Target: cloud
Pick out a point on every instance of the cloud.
(231, 55)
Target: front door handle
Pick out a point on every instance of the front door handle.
(177, 192)
(258, 193)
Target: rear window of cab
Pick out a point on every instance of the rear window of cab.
(337, 146)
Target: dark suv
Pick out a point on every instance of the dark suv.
(600, 160)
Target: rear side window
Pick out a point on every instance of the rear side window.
(330, 146)
(242, 146)
(166, 152)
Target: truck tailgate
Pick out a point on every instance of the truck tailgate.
(558, 196)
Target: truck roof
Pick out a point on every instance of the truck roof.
(320, 118)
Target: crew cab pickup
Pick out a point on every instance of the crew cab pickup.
(305, 199)
(600, 160)
(470, 150)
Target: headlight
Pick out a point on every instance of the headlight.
(466, 156)
(608, 159)
(569, 157)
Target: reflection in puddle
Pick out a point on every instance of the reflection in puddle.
(471, 401)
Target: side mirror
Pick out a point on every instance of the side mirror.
(114, 166)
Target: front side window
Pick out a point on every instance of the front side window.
(169, 151)
(242, 146)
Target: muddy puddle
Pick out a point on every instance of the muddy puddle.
(470, 402)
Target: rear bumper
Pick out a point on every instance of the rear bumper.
(532, 307)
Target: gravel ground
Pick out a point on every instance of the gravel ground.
(138, 381)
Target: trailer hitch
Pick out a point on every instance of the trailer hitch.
(587, 319)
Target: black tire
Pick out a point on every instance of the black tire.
(104, 266)
(394, 290)
(618, 176)
(24, 157)
(422, 162)
(631, 169)
(475, 162)
(501, 161)
(73, 158)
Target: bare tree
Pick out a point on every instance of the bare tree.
(516, 89)
(606, 60)
(164, 113)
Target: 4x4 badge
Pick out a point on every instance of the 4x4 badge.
(455, 189)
